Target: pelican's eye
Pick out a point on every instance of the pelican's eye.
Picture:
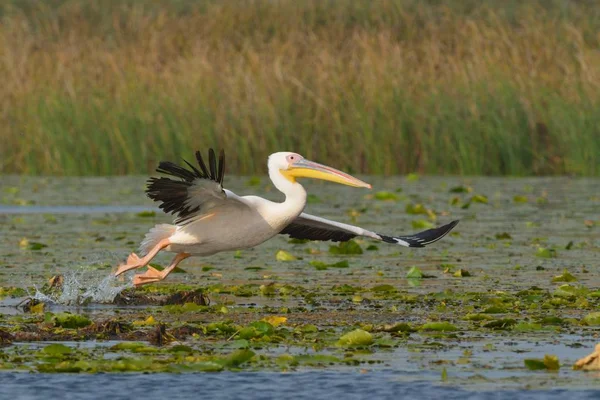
(292, 158)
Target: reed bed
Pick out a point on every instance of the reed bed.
(370, 86)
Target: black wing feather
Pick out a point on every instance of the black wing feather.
(212, 160)
(221, 169)
(173, 194)
(299, 231)
(424, 238)
(201, 163)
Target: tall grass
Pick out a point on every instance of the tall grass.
(373, 86)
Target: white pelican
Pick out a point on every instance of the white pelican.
(211, 219)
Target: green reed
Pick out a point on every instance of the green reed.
(381, 87)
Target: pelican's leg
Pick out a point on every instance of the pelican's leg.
(133, 261)
(154, 275)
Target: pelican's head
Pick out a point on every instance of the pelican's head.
(293, 165)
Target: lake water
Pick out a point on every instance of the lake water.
(515, 237)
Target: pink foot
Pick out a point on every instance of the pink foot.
(150, 276)
(133, 261)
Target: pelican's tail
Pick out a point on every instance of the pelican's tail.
(155, 235)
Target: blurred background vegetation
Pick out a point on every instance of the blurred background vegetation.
(374, 86)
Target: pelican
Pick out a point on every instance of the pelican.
(210, 219)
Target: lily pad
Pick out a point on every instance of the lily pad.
(564, 277)
(501, 324)
(56, 349)
(357, 337)
(439, 327)
(238, 358)
(461, 189)
(545, 252)
(549, 363)
(283, 255)
(71, 321)
(349, 247)
(422, 224)
(592, 319)
(414, 272)
(385, 196)
(320, 265)
(520, 199)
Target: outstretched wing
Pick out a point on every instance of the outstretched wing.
(311, 227)
(195, 192)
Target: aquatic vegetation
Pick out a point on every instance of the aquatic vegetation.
(349, 247)
(544, 252)
(356, 338)
(439, 327)
(68, 320)
(520, 199)
(592, 319)
(421, 224)
(320, 265)
(415, 272)
(385, 196)
(549, 363)
(283, 255)
(505, 305)
(566, 276)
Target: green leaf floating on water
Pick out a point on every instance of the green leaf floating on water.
(384, 289)
(461, 189)
(417, 208)
(567, 291)
(320, 265)
(135, 347)
(283, 255)
(592, 319)
(545, 252)
(357, 337)
(520, 199)
(56, 349)
(349, 247)
(564, 277)
(549, 363)
(461, 273)
(501, 324)
(268, 290)
(479, 198)
(414, 273)
(383, 195)
(398, 327)
(238, 358)
(422, 224)
(70, 321)
(439, 327)
(527, 327)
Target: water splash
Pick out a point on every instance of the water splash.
(81, 288)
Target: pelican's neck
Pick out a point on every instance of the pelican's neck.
(295, 196)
